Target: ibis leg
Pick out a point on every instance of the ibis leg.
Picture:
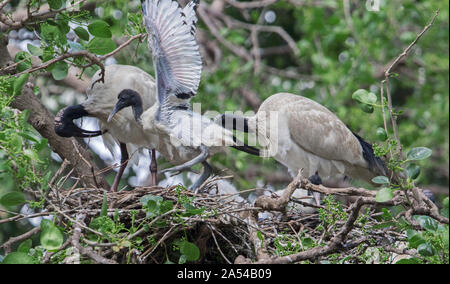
(315, 179)
(207, 170)
(153, 168)
(186, 166)
(123, 165)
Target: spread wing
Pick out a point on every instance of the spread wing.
(176, 55)
(190, 15)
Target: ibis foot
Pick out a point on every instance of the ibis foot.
(316, 180)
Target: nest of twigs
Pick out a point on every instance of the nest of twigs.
(160, 225)
(123, 227)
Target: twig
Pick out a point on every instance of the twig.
(251, 4)
(87, 250)
(7, 246)
(385, 82)
(217, 245)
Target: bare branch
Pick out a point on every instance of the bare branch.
(7, 246)
(385, 83)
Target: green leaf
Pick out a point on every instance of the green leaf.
(51, 236)
(413, 171)
(425, 249)
(100, 29)
(34, 50)
(16, 141)
(365, 97)
(427, 223)
(52, 34)
(25, 246)
(55, 4)
(445, 202)
(418, 153)
(63, 26)
(308, 242)
(166, 206)
(101, 46)
(381, 134)
(152, 206)
(104, 211)
(168, 261)
(381, 180)
(41, 144)
(384, 194)
(12, 199)
(18, 258)
(366, 108)
(260, 236)
(445, 237)
(192, 210)
(190, 250)
(144, 199)
(60, 70)
(415, 238)
(82, 33)
(182, 259)
(411, 260)
(387, 215)
(25, 61)
(19, 83)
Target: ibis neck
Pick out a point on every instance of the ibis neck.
(233, 122)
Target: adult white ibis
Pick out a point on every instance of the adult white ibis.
(178, 66)
(302, 134)
(124, 129)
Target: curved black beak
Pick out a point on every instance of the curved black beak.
(118, 107)
(65, 127)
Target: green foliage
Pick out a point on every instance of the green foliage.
(384, 194)
(51, 236)
(418, 153)
(60, 70)
(381, 180)
(21, 147)
(12, 199)
(340, 64)
(333, 212)
(18, 258)
(433, 243)
(101, 46)
(189, 251)
(366, 100)
(81, 33)
(23, 59)
(100, 29)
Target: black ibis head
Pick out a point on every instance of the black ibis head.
(65, 127)
(125, 99)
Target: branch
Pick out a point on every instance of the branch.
(387, 74)
(34, 19)
(42, 120)
(279, 203)
(7, 246)
(87, 250)
(337, 243)
(251, 4)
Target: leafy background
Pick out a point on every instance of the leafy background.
(342, 47)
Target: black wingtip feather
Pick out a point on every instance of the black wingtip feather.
(376, 165)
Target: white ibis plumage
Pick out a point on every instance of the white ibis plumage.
(302, 134)
(178, 67)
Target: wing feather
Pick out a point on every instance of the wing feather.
(176, 55)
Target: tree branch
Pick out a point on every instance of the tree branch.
(42, 120)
